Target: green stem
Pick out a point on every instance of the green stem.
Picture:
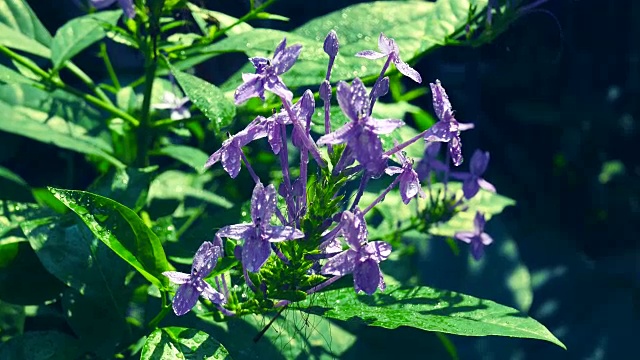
(163, 312)
(145, 128)
(107, 63)
(57, 83)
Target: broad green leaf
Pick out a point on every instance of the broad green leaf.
(417, 27)
(14, 39)
(173, 184)
(20, 28)
(80, 33)
(431, 310)
(12, 318)
(121, 230)
(189, 155)
(18, 15)
(181, 343)
(208, 98)
(9, 76)
(37, 115)
(41, 345)
(486, 202)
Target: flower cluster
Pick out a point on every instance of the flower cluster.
(327, 241)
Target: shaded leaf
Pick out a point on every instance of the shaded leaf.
(13, 187)
(121, 230)
(41, 345)
(80, 33)
(431, 310)
(9, 76)
(206, 97)
(181, 343)
(129, 186)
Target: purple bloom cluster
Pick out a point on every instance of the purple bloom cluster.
(342, 236)
(126, 5)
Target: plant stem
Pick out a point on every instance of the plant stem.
(107, 63)
(145, 128)
(399, 147)
(372, 99)
(381, 196)
(307, 142)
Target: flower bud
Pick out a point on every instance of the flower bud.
(331, 44)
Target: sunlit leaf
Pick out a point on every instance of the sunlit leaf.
(181, 343)
(121, 230)
(431, 310)
(80, 33)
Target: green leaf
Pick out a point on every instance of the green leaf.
(431, 310)
(121, 230)
(33, 113)
(201, 16)
(45, 345)
(173, 184)
(80, 33)
(417, 27)
(189, 155)
(20, 29)
(208, 98)
(181, 343)
(9, 76)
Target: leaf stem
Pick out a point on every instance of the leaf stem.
(107, 63)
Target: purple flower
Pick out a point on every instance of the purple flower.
(177, 106)
(302, 110)
(231, 151)
(388, 47)
(259, 235)
(362, 257)
(477, 238)
(361, 133)
(408, 178)
(267, 74)
(472, 181)
(331, 44)
(448, 128)
(126, 5)
(193, 285)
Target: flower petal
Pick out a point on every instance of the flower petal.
(284, 60)
(377, 250)
(101, 4)
(211, 294)
(370, 54)
(230, 159)
(479, 162)
(177, 277)
(440, 131)
(253, 86)
(381, 127)
(408, 71)
(441, 103)
(281, 233)
(340, 264)
(366, 276)
(205, 260)
(128, 8)
(470, 187)
(236, 232)
(392, 170)
(409, 186)
(255, 253)
(274, 84)
(339, 136)
(486, 185)
(455, 149)
(185, 299)
(465, 236)
(263, 203)
(387, 45)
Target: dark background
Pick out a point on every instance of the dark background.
(555, 101)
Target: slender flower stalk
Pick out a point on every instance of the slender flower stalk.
(307, 142)
(382, 195)
(253, 174)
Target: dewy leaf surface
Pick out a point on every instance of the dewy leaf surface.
(181, 343)
(431, 310)
(121, 230)
(79, 33)
(416, 26)
(207, 97)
